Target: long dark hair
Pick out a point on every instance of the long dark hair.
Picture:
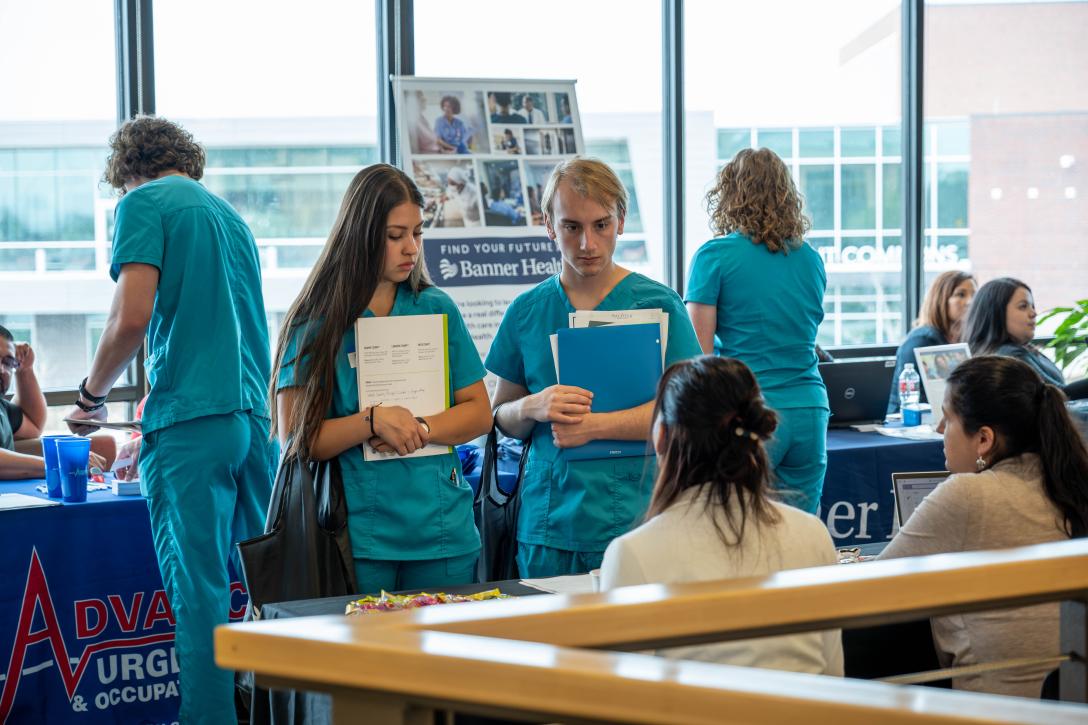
(1029, 416)
(987, 329)
(714, 424)
(337, 292)
(935, 305)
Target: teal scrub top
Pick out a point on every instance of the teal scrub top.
(208, 335)
(770, 306)
(578, 505)
(404, 509)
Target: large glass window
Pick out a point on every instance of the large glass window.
(1007, 144)
(620, 111)
(287, 110)
(826, 98)
(57, 109)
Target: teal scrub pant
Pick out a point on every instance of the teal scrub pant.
(207, 483)
(375, 575)
(798, 455)
(535, 561)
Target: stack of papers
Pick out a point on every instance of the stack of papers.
(573, 584)
(126, 488)
(130, 426)
(914, 432)
(617, 355)
(601, 318)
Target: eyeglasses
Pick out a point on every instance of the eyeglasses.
(9, 362)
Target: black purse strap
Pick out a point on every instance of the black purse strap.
(489, 468)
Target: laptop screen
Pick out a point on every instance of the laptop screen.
(935, 364)
(911, 488)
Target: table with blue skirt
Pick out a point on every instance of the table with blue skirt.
(86, 630)
(857, 503)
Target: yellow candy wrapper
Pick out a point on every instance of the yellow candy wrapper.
(387, 602)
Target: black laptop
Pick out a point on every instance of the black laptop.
(858, 389)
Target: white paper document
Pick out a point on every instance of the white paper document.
(12, 501)
(403, 361)
(131, 426)
(914, 432)
(571, 584)
(598, 318)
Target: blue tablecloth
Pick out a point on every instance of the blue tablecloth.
(83, 612)
(857, 502)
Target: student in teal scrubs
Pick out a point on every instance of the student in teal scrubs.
(188, 276)
(410, 519)
(760, 289)
(570, 511)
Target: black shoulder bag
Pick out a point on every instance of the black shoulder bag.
(496, 515)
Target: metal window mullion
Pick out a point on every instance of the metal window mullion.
(913, 237)
(672, 130)
(135, 58)
(396, 57)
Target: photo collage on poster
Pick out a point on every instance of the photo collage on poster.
(481, 156)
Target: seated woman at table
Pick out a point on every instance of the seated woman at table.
(944, 312)
(712, 516)
(1019, 471)
(409, 518)
(1002, 322)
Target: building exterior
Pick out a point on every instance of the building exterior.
(1006, 187)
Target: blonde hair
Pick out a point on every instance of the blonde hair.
(591, 179)
(755, 195)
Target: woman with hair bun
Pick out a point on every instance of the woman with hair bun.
(1019, 477)
(712, 516)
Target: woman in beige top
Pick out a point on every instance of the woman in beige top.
(1020, 477)
(712, 515)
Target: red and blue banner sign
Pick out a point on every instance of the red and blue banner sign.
(84, 621)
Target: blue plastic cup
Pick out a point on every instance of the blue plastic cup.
(73, 455)
(52, 468)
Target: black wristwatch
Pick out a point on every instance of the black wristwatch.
(425, 424)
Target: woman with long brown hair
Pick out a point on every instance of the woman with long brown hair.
(1019, 472)
(941, 322)
(711, 515)
(410, 519)
(759, 288)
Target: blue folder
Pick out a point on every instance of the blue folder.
(621, 365)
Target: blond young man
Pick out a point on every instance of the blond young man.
(571, 510)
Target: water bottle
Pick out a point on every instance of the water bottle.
(908, 386)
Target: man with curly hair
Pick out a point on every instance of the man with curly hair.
(759, 289)
(188, 277)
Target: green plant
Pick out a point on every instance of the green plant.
(1070, 335)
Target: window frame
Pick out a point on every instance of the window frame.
(394, 28)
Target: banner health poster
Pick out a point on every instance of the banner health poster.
(481, 151)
